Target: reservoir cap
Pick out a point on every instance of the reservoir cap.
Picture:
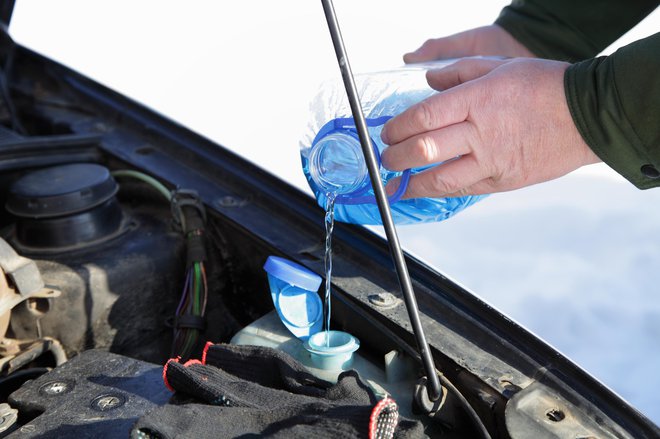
(292, 273)
(61, 190)
(293, 289)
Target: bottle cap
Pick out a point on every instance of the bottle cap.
(293, 290)
(292, 273)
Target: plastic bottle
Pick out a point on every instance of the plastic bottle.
(332, 157)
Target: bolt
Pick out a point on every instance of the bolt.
(508, 387)
(54, 388)
(104, 403)
(229, 201)
(384, 300)
(100, 126)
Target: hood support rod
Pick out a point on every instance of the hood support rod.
(433, 383)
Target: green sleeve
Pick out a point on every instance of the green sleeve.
(615, 104)
(571, 30)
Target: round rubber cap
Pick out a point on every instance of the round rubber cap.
(61, 190)
(292, 273)
(299, 310)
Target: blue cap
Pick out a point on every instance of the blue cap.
(292, 273)
(293, 290)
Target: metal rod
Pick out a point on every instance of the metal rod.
(433, 387)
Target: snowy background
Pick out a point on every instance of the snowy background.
(576, 260)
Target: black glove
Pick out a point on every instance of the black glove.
(257, 391)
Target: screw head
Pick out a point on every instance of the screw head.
(230, 201)
(108, 401)
(28, 428)
(56, 388)
(384, 300)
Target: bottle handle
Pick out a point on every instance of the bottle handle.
(356, 198)
(347, 125)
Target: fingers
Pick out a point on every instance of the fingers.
(462, 71)
(429, 148)
(490, 40)
(443, 109)
(463, 176)
(437, 48)
(438, 111)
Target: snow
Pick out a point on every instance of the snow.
(574, 260)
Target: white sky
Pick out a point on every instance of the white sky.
(575, 260)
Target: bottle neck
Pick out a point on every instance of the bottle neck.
(337, 165)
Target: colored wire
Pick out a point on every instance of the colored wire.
(160, 187)
(194, 296)
(184, 295)
(194, 300)
(206, 289)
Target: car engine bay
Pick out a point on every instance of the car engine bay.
(128, 240)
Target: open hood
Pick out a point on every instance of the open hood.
(113, 294)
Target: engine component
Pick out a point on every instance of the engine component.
(21, 285)
(65, 207)
(20, 280)
(119, 287)
(8, 417)
(94, 394)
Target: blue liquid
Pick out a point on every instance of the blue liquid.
(329, 225)
(343, 171)
(418, 210)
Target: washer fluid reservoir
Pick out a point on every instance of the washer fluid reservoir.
(295, 327)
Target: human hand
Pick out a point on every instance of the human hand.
(484, 41)
(499, 125)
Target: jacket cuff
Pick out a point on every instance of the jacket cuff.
(570, 30)
(544, 33)
(614, 102)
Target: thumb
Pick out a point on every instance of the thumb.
(431, 50)
(452, 46)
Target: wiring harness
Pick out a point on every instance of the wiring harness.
(189, 322)
(190, 216)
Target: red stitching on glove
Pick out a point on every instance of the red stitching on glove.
(206, 349)
(374, 432)
(167, 384)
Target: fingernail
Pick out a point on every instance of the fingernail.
(383, 157)
(384, 136)
(411, 57)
